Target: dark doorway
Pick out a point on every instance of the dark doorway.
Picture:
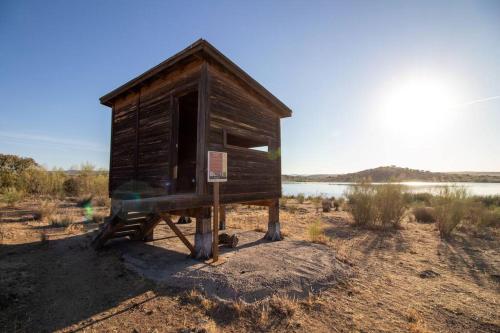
(186, 143)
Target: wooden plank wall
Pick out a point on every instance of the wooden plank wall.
(142, 134)
(233, 108)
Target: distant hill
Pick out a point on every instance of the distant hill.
(393, 173)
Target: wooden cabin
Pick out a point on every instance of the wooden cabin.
(163, 124)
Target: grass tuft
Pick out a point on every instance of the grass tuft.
(316, 233)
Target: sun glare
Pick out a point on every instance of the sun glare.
(417, 106)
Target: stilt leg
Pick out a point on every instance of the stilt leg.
(273, 226)
(222, 218)
(203, 236)
(149, 237)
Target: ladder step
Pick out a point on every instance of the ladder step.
(129, 227)
(122, 234)
(134, 215)
(134, 221)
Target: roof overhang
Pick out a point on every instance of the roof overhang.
(205, 49)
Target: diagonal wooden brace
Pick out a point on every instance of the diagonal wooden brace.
(146, 231)
(170, 223)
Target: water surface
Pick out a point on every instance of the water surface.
(339, 189)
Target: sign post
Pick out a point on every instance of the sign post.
(217, 173)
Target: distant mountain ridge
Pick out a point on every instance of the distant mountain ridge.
(394, 173)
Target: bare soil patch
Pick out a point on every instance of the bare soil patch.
(256, 269)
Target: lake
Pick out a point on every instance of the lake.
(339, 189)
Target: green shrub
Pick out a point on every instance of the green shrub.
(390, 204)
(362, 204)
(300, 198)
(381, 205)
(11, 196)
(424, 214)
(488, 200)
(490, 218)
(451, 207)
(71, 187)
(418, 198)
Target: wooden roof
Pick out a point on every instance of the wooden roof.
(204, 48)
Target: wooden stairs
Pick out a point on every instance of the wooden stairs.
(136, 226)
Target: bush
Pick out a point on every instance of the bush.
(488, 200)
(423, 198)
(11, 196)
(380, 205)
(300, 198)
(490, 218)
(71, 187)
(39, 181)
(362, 203)
(390, 204)
(451, 207)
(326, 205)
(338, 204)
(424, 214)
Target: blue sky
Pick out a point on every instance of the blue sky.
(367, 80)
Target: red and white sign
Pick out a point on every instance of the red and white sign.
(217, 166)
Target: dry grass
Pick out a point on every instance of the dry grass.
(45, 211)
(316, 233)
(62, 221)
(101, 201)
(259, 228)
(416, 323)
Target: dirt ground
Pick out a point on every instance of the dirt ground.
(379, 281)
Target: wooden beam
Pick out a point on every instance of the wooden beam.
(168, 220)
(203, 128)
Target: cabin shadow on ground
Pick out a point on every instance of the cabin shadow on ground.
(53, 285)
(469, 255)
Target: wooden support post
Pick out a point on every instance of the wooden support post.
(147, 228)
(273, 226)
(222, 218)
(149, 237)
(203, 235)
(215, 241)
(168, 220)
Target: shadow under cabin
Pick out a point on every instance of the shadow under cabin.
(165, 121)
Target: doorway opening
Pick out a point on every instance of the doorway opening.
(187, 142)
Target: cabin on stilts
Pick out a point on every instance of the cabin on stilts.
(163, 124)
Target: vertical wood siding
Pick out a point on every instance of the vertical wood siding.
(234, 109)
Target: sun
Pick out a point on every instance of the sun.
(416, 106)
